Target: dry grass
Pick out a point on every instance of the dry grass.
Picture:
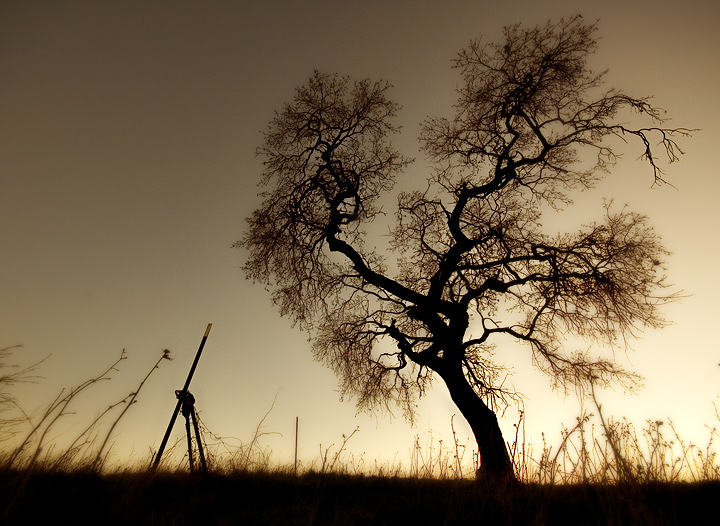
(88, 450)
(604, 471)
(600, 450)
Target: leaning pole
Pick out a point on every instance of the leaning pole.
(160, 452)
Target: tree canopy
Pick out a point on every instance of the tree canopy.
(469, 264)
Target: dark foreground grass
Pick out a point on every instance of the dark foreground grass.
(612, 474)
(280, 498)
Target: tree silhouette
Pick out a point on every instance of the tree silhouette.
(473, 267)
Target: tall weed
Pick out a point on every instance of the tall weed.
(37, 450)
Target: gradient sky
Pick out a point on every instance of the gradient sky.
(127, 167)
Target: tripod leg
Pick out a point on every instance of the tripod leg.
(199, 441)
(189, 442)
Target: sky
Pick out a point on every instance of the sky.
(127, 168)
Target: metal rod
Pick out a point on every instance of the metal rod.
(297, 418)
(189, 442)
(197, 357)
(193, 415)
(160, 452)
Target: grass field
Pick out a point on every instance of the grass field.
(317, 498)
(604, 471)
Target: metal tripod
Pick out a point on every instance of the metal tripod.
(188, 410)
(186, 402)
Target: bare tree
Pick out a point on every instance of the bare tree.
(473, 265)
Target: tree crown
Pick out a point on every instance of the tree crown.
(473, 264)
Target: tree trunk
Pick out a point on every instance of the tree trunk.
(495, 464)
